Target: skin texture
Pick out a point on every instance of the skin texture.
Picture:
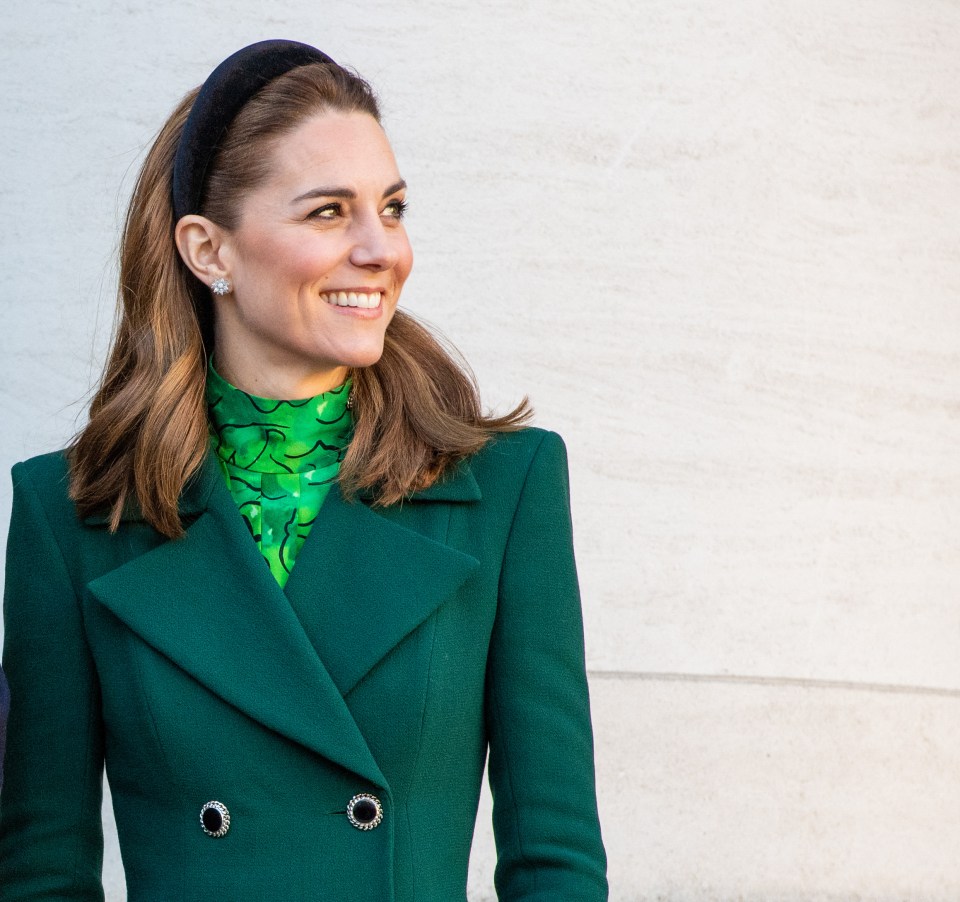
(328, 219)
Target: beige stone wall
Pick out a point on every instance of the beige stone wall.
(718, 245)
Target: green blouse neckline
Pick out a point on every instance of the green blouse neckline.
(279, 459)
(263, 435)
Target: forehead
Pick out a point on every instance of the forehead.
(334, 148)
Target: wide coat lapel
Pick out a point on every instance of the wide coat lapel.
(208, 603)
(363, 582)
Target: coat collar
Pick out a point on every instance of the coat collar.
(459, 485)
(208, 602)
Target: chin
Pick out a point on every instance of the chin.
(362, 357)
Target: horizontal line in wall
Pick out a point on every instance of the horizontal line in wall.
(851, 685)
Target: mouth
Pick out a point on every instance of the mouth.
(365, 300)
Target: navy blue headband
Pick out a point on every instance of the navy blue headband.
(222, 96)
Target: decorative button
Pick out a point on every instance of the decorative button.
(215, 819)
(364, 811)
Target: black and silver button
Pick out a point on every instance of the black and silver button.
(364, 811)
(215, 819)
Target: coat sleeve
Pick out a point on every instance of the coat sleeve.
(51, 839)
(538, 712)
(4, 711)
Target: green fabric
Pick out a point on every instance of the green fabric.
(408, 639)
(279, 459)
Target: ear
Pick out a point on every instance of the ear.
(200, 242)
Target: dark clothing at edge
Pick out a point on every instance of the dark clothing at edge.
(4, 708)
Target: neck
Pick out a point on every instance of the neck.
(288, 383)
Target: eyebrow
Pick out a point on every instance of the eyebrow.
(345, 193)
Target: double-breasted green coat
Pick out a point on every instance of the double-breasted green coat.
(408, 641)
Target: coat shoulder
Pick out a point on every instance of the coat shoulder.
(500, 467)
(516, 451)
(47, 474)
(46, 478)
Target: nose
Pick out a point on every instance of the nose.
(376, 247)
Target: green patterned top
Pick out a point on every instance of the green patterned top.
(279, 459)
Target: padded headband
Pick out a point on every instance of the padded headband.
(221, 97)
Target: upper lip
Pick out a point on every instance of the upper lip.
(354, 291)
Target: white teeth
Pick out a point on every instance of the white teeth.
(353, 299)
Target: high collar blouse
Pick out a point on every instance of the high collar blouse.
(279, 459)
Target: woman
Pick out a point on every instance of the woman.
(316, 727)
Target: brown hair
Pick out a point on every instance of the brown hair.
(417, 410)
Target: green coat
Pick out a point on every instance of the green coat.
(408, 640)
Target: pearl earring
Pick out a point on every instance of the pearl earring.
(221, 286)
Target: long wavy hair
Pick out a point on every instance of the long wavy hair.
(416, 411)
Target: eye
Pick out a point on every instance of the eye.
(395, 209)
(327, 211)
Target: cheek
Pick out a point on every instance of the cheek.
(406, 261)
(289, 263)
(283, 261)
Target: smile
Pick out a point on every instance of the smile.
(352, 299)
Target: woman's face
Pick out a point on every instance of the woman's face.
(317, 261)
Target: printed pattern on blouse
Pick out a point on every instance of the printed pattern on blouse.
(279, 459)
